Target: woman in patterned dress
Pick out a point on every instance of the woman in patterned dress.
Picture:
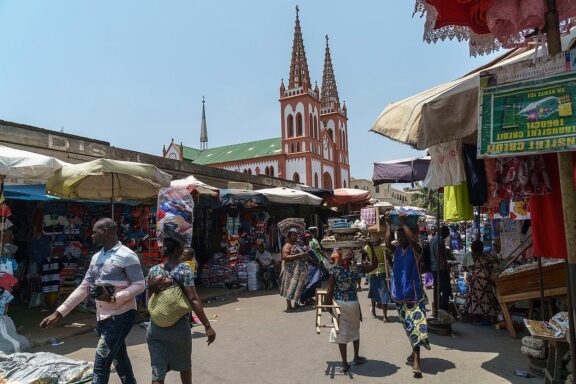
(481, 302)
(294, 271)
(342, 289)
(171, 347)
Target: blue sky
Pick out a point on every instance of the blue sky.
(134, 72)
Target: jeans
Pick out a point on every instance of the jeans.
(445, 290)
(112, 349)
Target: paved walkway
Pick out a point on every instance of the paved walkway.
(258, 343)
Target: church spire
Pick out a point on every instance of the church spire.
(329, 97)
(203, 128)
(299, 75)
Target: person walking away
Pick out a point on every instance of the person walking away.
(378, 292)
(407, 291)
(342, 290)
(481, 301)
(439, 266)
(294, 271)
(114, 278)
(171, 347)
(267, 265)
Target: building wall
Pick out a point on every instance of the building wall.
(296, 165)
(381, 192)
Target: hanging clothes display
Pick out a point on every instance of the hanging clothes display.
(457, 205)
(547, 216)
(519, 177)
(446, 165)
(475, 175)
(491, 183)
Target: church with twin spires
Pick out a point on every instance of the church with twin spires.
(313, 147)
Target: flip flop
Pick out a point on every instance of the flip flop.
(417, 373)
(359, 361)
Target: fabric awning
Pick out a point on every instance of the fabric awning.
(401, 171)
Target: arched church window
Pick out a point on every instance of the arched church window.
(290, 123)
(296, 177)
(299, 124)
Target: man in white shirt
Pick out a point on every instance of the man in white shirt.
(266, 261)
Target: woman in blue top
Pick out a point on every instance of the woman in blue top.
(407, 290)
(342, 289)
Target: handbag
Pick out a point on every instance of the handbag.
(168, 306)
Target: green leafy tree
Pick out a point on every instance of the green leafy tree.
(427, 198)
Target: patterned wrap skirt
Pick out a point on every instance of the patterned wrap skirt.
(413, 317)
(379, 289)
(293, 279)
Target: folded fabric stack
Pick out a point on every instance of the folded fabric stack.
(175, 215)
(285, 225)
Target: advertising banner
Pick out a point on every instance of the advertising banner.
(527, 117)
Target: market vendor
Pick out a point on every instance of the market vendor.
(267, 265)
(481, 301)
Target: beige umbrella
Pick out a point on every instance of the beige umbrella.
(105, 179)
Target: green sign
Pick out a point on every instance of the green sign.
(535, 116)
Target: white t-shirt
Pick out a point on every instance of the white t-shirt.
(265, 258)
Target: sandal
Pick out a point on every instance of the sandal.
(344, 369)
(359, 361)
(417, 373)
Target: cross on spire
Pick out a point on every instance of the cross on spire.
(299, 75)
(329, 96)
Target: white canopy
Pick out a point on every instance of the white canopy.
(27, 165)
(289, 196)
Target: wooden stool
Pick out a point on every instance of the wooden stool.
(320, 306)
(556, 351)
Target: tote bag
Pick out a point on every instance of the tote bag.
(168, 306)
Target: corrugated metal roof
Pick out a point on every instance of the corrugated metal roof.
(242, 151)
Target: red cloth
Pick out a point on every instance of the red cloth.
(466, 13)
(7, 281)
(548, 217)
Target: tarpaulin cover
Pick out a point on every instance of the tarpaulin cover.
(36, 192)
(289, 196)
(193, 184)
(42, 367)
(343, 196)
(401, 171)
(241, 196)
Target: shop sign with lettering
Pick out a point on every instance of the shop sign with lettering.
(533, 116)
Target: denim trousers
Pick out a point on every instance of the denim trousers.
(111, 349)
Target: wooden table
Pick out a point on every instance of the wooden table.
(525, 285)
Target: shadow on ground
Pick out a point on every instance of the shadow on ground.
(372, 368)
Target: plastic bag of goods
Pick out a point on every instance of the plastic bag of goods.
(175, 215)
(253, 268)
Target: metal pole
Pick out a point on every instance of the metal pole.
(544, 316)
(112, 198)
(566, 171)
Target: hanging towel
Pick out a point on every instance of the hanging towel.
(457, 206)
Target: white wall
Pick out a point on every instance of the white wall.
(173, 153)
(344, 175)
(316, 169)
(296, 165)
(252, 166)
